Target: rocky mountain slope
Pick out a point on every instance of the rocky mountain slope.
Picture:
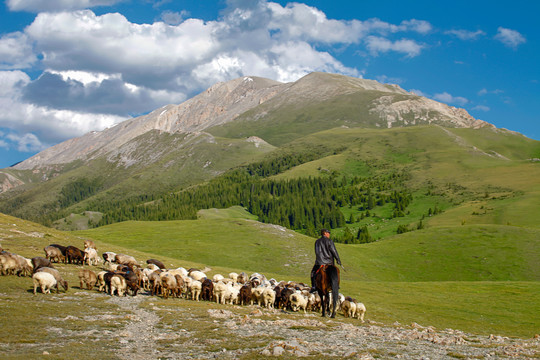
(223, 103)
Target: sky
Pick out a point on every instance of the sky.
(68, 67)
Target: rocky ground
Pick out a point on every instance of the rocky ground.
(231, 332)
(89, 324)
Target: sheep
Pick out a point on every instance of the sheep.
(44, 281)
(197, 275)
(207, 290)
(61, 248)
(74, 254)
(242, 278)
(57, 277)
(109, 257)
(87, 279)
(89, 244)
(217, 277)
(245, 294)
(39, 262)
(232, 293)
(360, 311)
(156, 262)
(13, 264)
(127, 260)
(118, 285)
(169, 284)
(219, 291)
(284, 300)
(195, 288)
(233, 276)
(298, 301)
(348, 308)
(256, 293)
(101, 280)
(268, 297)
(91, 256)
(53, 254)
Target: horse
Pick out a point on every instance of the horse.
(326, 281)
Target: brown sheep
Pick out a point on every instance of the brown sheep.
(87, 278)
(54, 254)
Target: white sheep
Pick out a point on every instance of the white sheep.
(268, 297)
(219, 292)
(360, 311)
(234, 276)
(217, 278)
(197, 275)
(91, 256)
(298, 301)
(195, 287)
(118, 284)
(44, 281)
(101, 280)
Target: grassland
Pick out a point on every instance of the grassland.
(477, 279)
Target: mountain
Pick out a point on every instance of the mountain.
(321, 124)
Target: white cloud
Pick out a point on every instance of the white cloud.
(481, 108)
(56, 5)
(378, 45)
(509, 37)
(466, 34)
(16, 51)
(449, 99)
(27, 142)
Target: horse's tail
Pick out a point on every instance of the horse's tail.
(334, 280)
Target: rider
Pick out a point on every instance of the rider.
(325, 253)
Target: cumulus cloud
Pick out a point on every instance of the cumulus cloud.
(509, 37)
(47, 125)
(466, 34)
(56, 5)
(16, 51)
(449, 99)
(377, 45)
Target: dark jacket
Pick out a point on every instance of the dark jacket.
(325, 252)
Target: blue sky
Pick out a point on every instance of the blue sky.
(68, 67)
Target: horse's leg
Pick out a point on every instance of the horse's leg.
(323, 303)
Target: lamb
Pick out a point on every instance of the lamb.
(44, 281)
(91, 256)
(256, 293)
(57, 277)
(87, 278)
(54, 254)
(39, 262)
(123, 259)
(298, 301)
(232, 293)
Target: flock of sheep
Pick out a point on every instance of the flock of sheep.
(123, 275)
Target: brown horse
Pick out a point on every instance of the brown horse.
(326, 281)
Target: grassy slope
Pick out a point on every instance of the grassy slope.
(182, 162)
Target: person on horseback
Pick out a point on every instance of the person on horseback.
(325, 253)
